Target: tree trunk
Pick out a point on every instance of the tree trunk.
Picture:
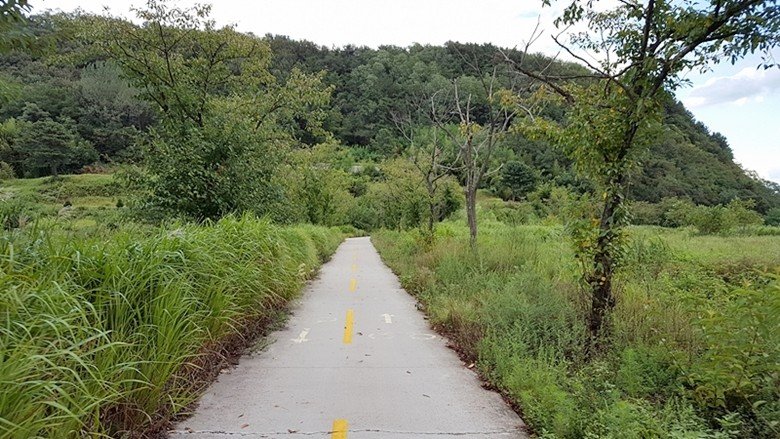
(431, 217)
(604, 258)
(602, 300)
(433, 214)
(607, 244)
(471, 214)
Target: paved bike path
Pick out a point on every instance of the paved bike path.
(356, 360)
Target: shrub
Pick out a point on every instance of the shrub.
(676, 212)
(513, 213)
(646, 213)
(536, 384)
(316, 190)
(737, 369)
(773, 217)
(721, 219)
(13, 214)
(6, 171)
(399, 200)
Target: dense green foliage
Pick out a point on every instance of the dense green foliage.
(517, 180)
(373, 85)
(46, 144)
(707, 219)
(639, 52)
(224, 118)
(695, 342)
(101, 330)
(68, 77)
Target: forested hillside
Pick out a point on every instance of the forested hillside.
(65, 91)
(373, 85)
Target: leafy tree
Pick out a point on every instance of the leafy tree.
(12, 32)
(399, 199)
(36, 144)
(428, 151)
(223, 131)
(643, 47)
(113, 116)
(676, 212)
(12, 19)
(428, 159)
(65, 71)
(519, 178)
(318, 186)
(773, 217)
(9, 133)
(6, 171)
(47, 144)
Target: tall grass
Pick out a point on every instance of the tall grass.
(98, 332)
(695, 348)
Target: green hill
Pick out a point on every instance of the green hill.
(98, 116)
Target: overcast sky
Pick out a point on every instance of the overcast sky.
(738, 101)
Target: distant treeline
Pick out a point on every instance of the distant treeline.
(371, 85)
(64, 91)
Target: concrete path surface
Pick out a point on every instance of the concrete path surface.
(356, 360)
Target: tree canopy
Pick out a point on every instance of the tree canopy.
(71, 76)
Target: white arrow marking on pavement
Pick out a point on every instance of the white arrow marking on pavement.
(302, 338)
(423, 336)
(388, 318)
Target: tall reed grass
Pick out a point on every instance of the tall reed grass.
(695, 346)
(97, 330)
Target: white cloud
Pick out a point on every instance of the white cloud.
(747, 85)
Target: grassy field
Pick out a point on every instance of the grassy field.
(84, 190)
(695, 348)
(70, 201)
(111, 327)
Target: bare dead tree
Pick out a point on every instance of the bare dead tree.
(429, 157)
(476, 142)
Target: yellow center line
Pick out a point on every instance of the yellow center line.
(339, 430)
(352, 285)
(348, 327)
(354, 268)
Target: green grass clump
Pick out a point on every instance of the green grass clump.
(694, 350)
(98, 330)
